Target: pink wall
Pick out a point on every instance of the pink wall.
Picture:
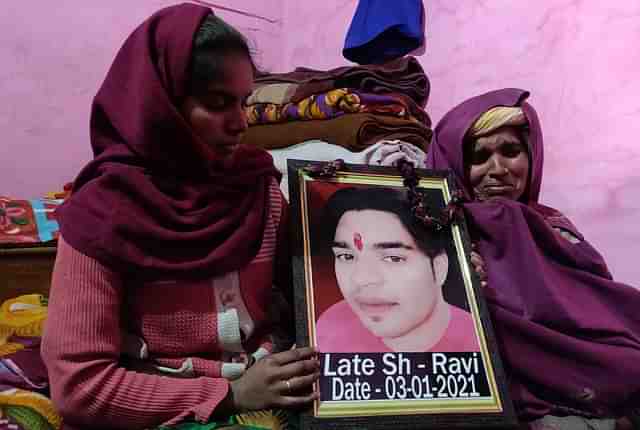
(579, 60)
(55, 56)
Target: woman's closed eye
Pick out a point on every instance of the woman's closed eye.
(480, 156)
(511, 150)
(216, 102)
(508, 150)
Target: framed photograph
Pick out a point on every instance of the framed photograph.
(385, 290)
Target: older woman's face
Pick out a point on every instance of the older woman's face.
(499, 165)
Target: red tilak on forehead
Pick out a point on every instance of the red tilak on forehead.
(357, 241)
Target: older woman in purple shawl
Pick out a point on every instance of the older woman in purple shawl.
(568, 334)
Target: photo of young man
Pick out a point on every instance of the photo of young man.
(391, 271)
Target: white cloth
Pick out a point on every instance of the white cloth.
(382, 153)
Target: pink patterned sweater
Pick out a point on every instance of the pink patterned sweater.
(138, 356)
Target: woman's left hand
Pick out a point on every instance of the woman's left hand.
(280, 380)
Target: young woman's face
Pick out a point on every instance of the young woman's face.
(217, 116)
(499, 165)
(383, 275)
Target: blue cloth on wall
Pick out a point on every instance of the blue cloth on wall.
(382, 30)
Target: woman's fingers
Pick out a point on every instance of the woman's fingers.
(476, 260)
(298, 390)
(291, 363)
(295, 391)
(479, 266)
(292, 355)
(299, 368)
(294, 401)
(297, 383)
(281, 379)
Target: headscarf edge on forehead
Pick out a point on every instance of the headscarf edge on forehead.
(495, 118)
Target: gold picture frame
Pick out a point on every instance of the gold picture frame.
(367, 382)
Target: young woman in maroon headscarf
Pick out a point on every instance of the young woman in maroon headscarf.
(171, 242)
(568, 334)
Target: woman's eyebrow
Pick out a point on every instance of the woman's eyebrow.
(339, 245)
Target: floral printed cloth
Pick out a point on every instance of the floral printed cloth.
(24, 402)
(332, 104)
(258, 420)
(28, 221)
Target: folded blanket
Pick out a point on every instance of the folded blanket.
(354, 132)
(404, 76)
(333, 104)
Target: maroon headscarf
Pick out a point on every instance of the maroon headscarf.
(569, 336)
(155, 201)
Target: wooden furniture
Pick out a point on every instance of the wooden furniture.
(25, 270)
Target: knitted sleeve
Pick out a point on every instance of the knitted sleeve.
(81, 347)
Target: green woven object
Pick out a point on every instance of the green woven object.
(198, 426)
(258, 420)
(27, 418)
